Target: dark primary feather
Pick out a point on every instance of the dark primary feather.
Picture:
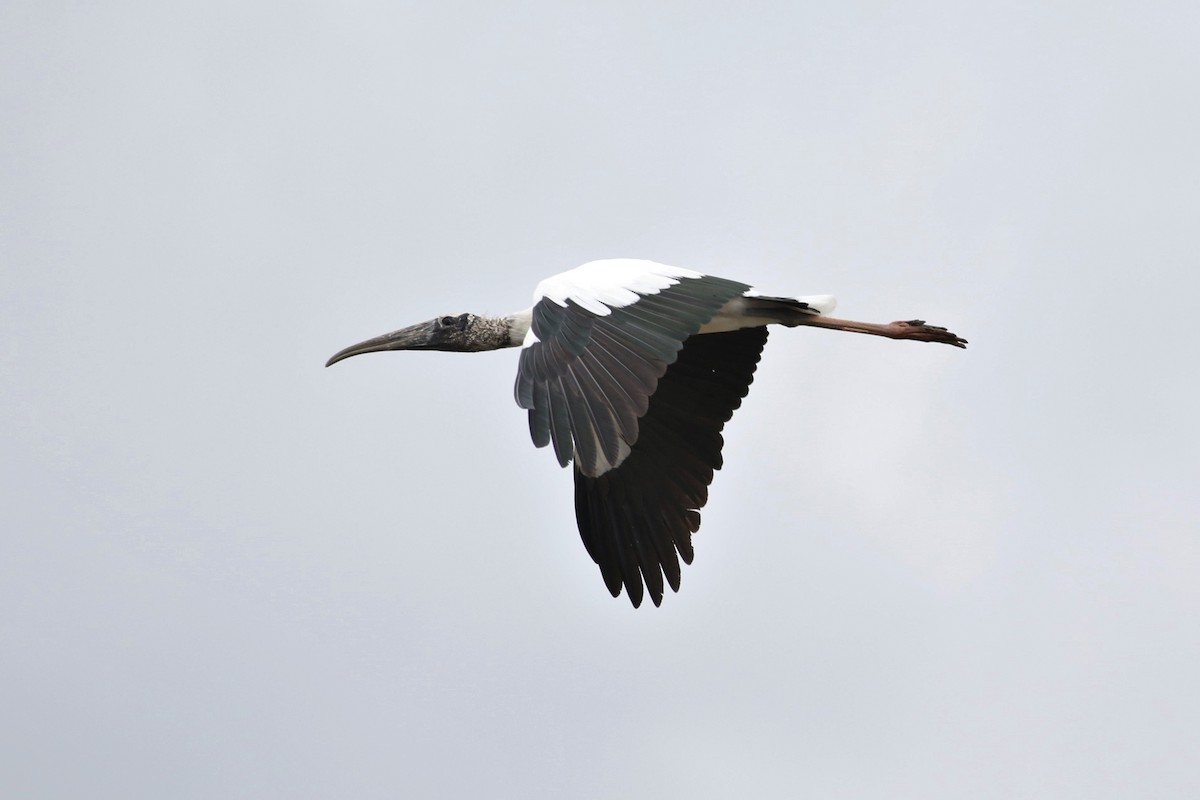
(588, 378)
(637, 521)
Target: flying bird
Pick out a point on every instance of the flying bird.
(631, 369)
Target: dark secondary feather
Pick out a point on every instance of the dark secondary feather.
(588, 378)
(637, 520)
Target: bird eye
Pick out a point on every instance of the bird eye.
(447, 321)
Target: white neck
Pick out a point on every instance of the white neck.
(518, 326)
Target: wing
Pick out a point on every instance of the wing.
(637, 520)
(601, 337)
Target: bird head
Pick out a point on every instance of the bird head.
(456, 333)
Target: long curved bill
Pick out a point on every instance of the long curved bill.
(414, 337)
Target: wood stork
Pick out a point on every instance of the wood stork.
(631, 369)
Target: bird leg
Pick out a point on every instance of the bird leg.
(914, 329)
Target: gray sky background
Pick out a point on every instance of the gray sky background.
(228, 572)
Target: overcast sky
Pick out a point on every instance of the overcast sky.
(226, 571)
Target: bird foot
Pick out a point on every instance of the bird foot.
(917, 330)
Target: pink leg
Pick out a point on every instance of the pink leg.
(914, 329)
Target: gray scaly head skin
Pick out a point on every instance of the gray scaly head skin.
(462, 333)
